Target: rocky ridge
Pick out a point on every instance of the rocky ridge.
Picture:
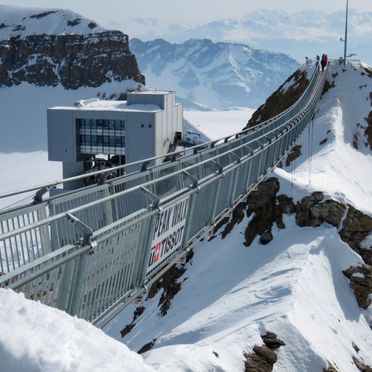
(48, 47)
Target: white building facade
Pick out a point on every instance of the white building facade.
(144, 126)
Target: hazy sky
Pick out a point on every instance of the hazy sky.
(186, 10)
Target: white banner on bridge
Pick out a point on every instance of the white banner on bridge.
(168, 234)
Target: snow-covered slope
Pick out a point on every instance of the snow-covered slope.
(24, 21)
(294, 286)
(341, 161)
(218, 75)
(36, 338)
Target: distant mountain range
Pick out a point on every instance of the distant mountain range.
(217, 75)
(299, 34)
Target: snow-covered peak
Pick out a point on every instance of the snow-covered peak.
(24, 21)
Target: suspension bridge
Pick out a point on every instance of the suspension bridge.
(92, 251)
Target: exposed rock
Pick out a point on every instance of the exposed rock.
(355, 347)
(254, 363)
(147, 347)
(266, 237)
(361, 365)
(303, 210)
(368, 131)
(285, 204)
(327, 86)
(294, 153)
(237, 217)
(263, 358)
(43, 14)
(330, 368)
(281, 99)
(355, 229)
(266, 211)
(368, 71)
(267, 354)
(272, 341)
(361, 283)
(74, 22)
(71, 60)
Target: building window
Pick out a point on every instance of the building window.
(101, 136)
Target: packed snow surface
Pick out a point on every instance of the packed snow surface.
(37, 338)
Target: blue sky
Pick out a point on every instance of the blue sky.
(191, 10)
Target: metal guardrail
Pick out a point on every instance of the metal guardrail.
(87, 250)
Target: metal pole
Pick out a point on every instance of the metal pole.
(346, 22)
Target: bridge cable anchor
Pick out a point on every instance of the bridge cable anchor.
(82, 227)
(194, 180)
(155, 199)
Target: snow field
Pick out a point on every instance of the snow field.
(35, 337)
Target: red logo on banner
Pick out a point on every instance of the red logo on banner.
(157, 252)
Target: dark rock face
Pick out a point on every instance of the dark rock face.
(330, 368)
(147, 347)
(368, 131)
(361, 365)
(263, 358)
(281, 99)
(70, 60)
(272, 341)
(266, 211)
(355, 229)
(294, 153)
(361, 283)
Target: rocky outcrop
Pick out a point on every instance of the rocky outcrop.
(262, 204)
(147, 347)
(71, 60)
(294, 153)
(330, 368)
(267, 208)
(361, 283)
(263, 358)
(368, 131)
(284, 97)
(361, 365)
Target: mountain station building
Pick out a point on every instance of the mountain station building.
(144, 126)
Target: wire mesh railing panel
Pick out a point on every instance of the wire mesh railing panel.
(204, 201)
(170, 185)
(224, 193)
(110, 270)
(23, 247)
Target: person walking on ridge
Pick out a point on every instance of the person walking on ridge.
(323, 61)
